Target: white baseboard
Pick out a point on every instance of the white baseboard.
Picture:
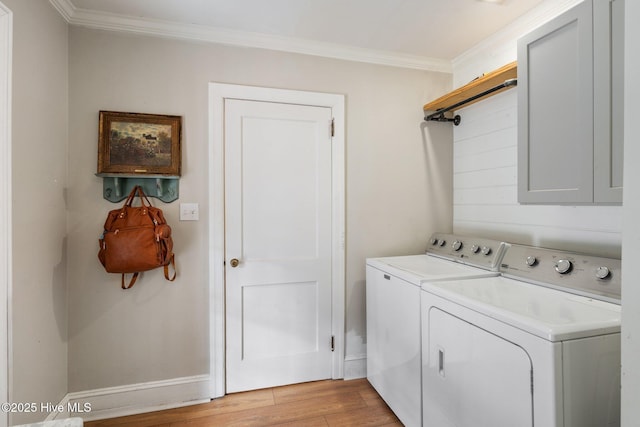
(152, 396)
(355, 367)
(133, 399)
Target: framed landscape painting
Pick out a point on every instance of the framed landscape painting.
(139, 144)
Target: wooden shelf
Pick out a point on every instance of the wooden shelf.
(476, 87)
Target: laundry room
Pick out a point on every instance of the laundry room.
(74, 335)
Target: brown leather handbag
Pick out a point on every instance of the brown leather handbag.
(136, 239)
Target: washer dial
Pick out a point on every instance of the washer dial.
(563, 266)
(603, 273)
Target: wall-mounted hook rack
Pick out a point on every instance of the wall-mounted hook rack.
(116, 187)
(488, 84)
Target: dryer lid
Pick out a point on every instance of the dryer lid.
(548, 313)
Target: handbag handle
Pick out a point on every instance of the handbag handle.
(137, 191)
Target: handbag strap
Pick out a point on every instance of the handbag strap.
(131, 283)
(166, 269)
(166, 274)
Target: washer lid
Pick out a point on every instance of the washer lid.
(419, 268)
(548, 313)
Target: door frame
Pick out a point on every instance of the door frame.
(218, 92)
(6, 43)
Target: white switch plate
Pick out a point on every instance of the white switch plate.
(189, 212)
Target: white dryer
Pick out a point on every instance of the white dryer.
(393, 312)
(538, 346)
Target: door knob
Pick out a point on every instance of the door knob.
(234, 262)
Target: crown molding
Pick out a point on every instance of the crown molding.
(158, 28)
(64, 8)
(502, 44)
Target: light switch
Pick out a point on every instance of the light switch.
(189, 212)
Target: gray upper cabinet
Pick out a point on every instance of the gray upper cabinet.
(608, 74)
(570, 107)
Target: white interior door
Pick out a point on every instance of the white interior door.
(278, 245)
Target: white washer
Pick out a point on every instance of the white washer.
(538, 346)
(393, 312)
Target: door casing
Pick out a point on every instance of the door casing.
(218, 92)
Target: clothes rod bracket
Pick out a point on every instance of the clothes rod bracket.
(439, 116)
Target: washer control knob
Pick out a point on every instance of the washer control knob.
(457, 245)
(531, 261)
(603, 273)
(433, 241)
(475, 249)
(442, 242)
(486, 250)
(563, 266)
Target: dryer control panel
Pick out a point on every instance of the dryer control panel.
(475, 251)
(588, 275)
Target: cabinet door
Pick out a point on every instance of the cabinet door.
(608, 124)
(472, 377)
(555, 110)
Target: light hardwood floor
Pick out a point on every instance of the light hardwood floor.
(321, 403)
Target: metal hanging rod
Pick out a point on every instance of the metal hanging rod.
(439, 116)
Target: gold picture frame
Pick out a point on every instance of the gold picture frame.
(139, 144)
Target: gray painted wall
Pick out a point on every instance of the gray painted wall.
(398, 190)
(39, 164)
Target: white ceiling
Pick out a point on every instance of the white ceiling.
(432, 30)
